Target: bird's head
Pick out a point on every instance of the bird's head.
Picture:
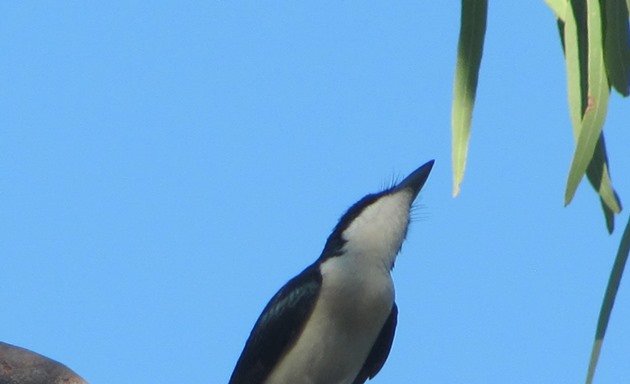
(375, 227)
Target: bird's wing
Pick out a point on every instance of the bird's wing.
(380, 349)
(278, 327)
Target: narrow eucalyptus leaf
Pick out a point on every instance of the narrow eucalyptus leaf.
(469, 53)
(575, 47)
(597, 102)
(609, 301)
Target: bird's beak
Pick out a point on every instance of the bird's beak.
(416, 179)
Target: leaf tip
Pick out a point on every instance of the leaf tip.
(568, 197)
(456, 189)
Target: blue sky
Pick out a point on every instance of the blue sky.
(166, 167)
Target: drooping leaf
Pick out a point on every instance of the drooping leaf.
(596, 104)
(617, 45)
(575, 44)
(609, 301)
(469, 52)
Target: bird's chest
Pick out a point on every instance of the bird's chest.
(356, 294)
(352, 308)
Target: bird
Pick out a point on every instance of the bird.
(334, 322)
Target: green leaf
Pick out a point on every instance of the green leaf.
(574, 38)
(617, 45)
(575, 44)
(558, 7)
(596, 105)
(469, 52)
(609, 301)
